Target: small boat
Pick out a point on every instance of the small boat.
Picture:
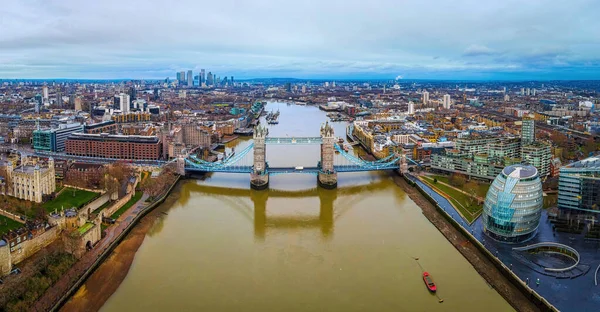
(429, 282)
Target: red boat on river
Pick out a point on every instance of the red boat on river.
(429, 282)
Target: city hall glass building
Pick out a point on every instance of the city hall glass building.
(513, 205)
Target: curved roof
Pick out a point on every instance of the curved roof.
(520, 171)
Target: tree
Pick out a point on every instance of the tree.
(471, 188)
(458, 180)
(589, 146)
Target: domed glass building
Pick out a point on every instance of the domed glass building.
(513, 205)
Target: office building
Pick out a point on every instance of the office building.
(411, 108)
(59, 99)
(182, 80)
(38, 102)
(528, 130)
(190, 78)
(513, 205)
(114, 146)
(102, 127)
(45, 93)
(579, 187)
(124, 102)
(53, 140)
(425, 97)
(202, 77)
(209, 79)
(447, 103)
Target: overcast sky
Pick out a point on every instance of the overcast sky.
(443, 39)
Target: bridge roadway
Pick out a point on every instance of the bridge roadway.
(282, 170)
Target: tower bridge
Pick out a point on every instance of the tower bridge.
(326, 169)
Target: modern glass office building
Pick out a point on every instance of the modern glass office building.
(579, 187)
(513, 204)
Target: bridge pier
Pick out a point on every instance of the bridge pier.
(327, 180)
(259, 181)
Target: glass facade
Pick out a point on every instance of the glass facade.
(513, 204)
(579, 187)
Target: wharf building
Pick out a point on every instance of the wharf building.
(114, 146)
(579, 188)
(53, 140)
(102, 127)
(513, 205)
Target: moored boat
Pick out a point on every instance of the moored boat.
(429, 282)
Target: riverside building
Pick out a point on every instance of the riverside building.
(513, 205)
(579, 187)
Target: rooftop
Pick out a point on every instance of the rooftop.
(110, 137)
(520, 171)
(591, 162)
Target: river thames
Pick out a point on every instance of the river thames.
(296, 247)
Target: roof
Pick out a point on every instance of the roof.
(590, 162)
(109, 137)
(520, 171)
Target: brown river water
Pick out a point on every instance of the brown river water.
(296, 247)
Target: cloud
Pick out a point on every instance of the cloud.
(478, 50)
(286, 38)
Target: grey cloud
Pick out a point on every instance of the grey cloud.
(152, 38)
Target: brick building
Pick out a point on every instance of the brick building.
(90, 174)
(101, 127)
(114, 146)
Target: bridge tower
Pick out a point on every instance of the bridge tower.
(181, 165)
(259, 178)
(403, 164)
(327, 177)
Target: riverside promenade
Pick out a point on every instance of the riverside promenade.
(54, 293)
(566, 294)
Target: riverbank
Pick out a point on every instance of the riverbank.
(98, 288)
(478, 260)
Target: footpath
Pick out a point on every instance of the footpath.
(478, 260)
(54, 293)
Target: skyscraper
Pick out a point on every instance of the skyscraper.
(178, 76)
(190, 79)
(425, 97)
(411, 108)
(232, 80)
(59, 100)
(45, 93)
(209, 79)
(528, 130)
(124, 102)
(182, 76)
(202, 77)
(447, 101)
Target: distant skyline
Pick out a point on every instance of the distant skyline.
(311, 39)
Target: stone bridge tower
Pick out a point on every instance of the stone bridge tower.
(327, 176)
(259, 178)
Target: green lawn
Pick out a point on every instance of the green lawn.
(69, 198)
(7, 224)
(127, 205)
(482, 187)
(459, 200)
(84, 228)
